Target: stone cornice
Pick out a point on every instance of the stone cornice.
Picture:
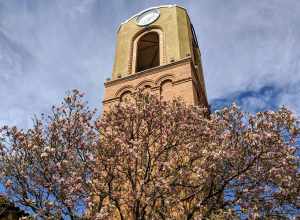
(147, 72)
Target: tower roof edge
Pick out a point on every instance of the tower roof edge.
(154, 7)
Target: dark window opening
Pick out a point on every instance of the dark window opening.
(147, 52)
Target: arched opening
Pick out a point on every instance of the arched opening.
(166, 90)
(147, 52)
(126, 96)
(147, 89)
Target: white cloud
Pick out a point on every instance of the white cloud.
(291, 98)
(63, 44)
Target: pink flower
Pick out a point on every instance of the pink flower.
(44, 154)
(8, 183)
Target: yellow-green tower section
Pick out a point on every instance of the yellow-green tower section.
(177, 35)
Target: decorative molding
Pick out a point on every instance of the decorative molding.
(147, 72)
(163, 78)
(145, 83)
(107, 101)
(188, 79)
(124, 89)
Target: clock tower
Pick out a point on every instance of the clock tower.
(157, 49)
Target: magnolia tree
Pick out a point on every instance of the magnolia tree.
(151, 159)
(46, 170)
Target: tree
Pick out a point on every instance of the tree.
(46, 169)
(151, 159)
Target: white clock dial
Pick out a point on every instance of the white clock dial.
(147, 17)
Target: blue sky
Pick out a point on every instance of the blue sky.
(250, 51)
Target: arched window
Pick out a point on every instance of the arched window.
(147, 52)
(147, 89)
(126, 96)
(166, 90)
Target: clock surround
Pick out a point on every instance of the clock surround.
(148, 17)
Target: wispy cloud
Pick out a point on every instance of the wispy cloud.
(269, 97)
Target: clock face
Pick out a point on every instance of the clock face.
(147, 17)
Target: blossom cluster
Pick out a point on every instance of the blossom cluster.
(146, 158)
